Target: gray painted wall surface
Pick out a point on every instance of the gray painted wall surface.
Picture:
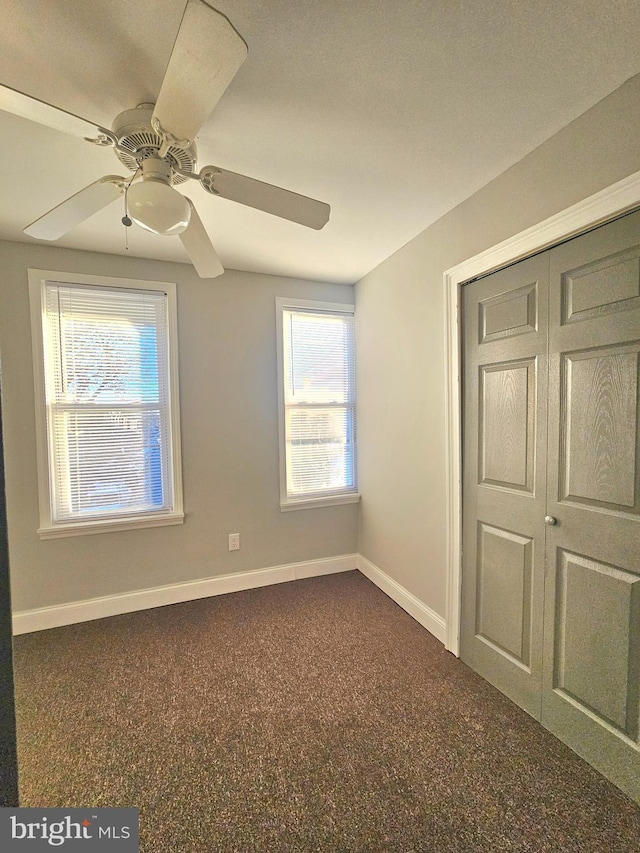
(227, 352)
(400, 321)
(228, 394)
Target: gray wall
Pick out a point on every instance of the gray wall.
(400, 321)
(227, 352)
(228, 395)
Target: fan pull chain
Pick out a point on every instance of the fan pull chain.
(126, 220)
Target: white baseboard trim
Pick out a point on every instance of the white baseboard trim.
(42, 618)
(26, 621)
(427, 617)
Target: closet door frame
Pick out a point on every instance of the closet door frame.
(604, 206)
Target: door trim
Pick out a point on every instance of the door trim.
(595, 210)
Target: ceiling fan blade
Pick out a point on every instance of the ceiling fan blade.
(200, 248)
(12, 101)
(206, 56)
(279, 202)
(77, 208)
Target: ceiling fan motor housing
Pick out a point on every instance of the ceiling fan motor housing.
(135, 134)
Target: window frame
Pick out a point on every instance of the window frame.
(50, 529)
(288, 503)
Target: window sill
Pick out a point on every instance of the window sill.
(313, 503)
(115, 525)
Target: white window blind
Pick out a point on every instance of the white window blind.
(107, 394)
(318, 353)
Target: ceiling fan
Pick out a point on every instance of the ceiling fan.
(156, 143)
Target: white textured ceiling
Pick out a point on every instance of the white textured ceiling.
(392, 112)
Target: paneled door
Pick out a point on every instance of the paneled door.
(583, 628)
(505, 338)
(592, 611)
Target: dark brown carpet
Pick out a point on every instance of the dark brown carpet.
(309, 716)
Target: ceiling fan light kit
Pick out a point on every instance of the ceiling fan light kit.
(158, 140)
(154, 204)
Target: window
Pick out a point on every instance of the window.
(316, 365)
(106, 403)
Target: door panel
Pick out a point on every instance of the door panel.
(599, 425)
(505, 340)
(507, 314)
(604, 286)
(592, 609)
(507, 424)
(597, 649)
(503, 599)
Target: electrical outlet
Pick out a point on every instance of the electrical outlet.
(234, 541)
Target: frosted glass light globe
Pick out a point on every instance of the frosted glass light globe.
(158, 207)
